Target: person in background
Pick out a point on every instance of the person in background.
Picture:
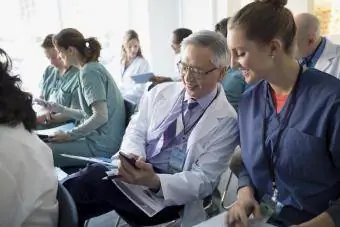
(313, 50)
(59, 84)
(233, 82)
(29, 183)
(182, 138)
(178, 36)
(102, 112)
(289, 125)
(132, 63)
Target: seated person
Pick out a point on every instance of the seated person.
(314, 50)
(28, 180)
(289, 125)
(132, 63)
(59, 84)
(233, 82)
(178, 36)
(102, 112)
(182, 138)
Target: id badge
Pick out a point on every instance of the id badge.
(177, 159)
(269, 207)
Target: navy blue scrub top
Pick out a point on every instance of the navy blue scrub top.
(307, 156)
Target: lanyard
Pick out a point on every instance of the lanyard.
(282, 125)
(187, 130)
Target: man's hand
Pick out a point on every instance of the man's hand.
(245, 205)
(160, 79)
(140, 174)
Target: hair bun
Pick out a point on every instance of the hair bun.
(276, 3)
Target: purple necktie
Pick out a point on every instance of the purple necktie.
(170, 132)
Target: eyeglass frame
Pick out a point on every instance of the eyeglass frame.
(197, 75)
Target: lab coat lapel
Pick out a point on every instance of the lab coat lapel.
(162, 107)
(327, 56)
(210, 119)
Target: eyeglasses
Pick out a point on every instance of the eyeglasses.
(194, 72)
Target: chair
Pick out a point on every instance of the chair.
(235, 165)
(68, 216)
(130, 108)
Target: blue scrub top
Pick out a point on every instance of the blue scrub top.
(307, 158)
(234, 85)
(96, 84)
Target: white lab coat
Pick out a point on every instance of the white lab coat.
(209, 147)
(329, 60)
(129, 89)
(29, 182)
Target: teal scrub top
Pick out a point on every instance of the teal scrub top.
(62, 89)
(97, 84)
(234, 85)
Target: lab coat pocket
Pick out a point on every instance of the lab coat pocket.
(304, 154)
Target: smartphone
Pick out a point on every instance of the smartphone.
(130, 160)
(44, 138)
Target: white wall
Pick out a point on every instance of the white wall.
(154, 20)
(163, 18)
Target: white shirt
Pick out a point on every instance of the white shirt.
(176, 76)
(129, 89)
(28, 180)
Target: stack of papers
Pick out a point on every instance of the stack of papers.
(142, 197)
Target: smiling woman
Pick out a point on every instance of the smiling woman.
(288, 122)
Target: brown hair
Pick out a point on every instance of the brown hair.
(222, 26)
(88, 48)
(48, 42)
(264, 20)
(130, 35)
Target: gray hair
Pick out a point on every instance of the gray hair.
(216, 42)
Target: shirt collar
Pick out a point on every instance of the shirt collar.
(204, 101)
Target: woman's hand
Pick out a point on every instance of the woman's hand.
(60, 137)
(245, 205)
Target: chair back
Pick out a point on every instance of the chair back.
(130, 109)
(68, 216)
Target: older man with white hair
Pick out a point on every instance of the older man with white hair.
(313, 50)
(181, 139)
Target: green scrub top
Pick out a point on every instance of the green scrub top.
(62, 89)
(97, 84)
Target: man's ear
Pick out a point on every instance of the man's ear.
(222, 74)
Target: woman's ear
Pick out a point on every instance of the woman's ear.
(274, 46)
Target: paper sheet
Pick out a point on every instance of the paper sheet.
(112, 164)
(52, 131)
(142, 197)
(219, 221)
(60, 173)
